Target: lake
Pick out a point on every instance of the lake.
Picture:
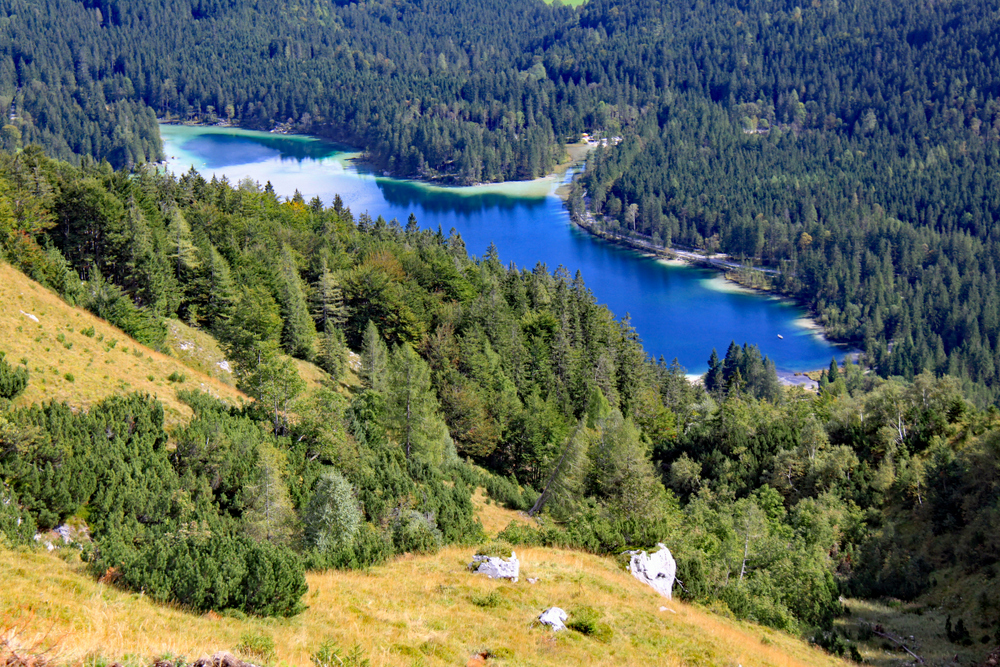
(679, 311)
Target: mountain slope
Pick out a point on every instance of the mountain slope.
(416, 610)
(78, 358)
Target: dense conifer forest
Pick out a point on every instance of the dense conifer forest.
(853, 149)
(775, 501)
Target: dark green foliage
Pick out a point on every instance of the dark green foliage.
(743, 370)
(416, 533)
(587, 621)
(208, 570)
(837, 644)
(108, 302)
(370, 546)
(13, 380)
(17, 527)
(507, 492)
(173, 542)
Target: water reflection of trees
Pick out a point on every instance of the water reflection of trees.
(409, 195)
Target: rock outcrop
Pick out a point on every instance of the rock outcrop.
(656, 570)
(497, 568)
(554, 617)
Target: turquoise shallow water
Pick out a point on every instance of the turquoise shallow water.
(679, 311)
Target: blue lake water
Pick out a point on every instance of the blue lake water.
(679, 311)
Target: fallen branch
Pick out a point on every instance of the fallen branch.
(876, 630)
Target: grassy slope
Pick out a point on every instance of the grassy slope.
(101, 365)
(416, 610)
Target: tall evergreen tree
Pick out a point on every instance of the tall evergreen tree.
(374, 359)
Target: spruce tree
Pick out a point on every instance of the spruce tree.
(299, 333)
(714, 378)
(374, 358)
(412, 405)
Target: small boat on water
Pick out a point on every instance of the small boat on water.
(781, 337)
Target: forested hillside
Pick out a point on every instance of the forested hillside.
(853, 148)
(776, 502)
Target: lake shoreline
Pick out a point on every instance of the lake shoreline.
(722, 264)
(576, 155)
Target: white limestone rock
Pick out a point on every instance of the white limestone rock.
(555, 618)
(656, 570)
(497, 568)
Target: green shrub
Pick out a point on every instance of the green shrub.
(13, 381)
(490, 600)
(333, 516)
(507, 492)
(89, 332)
(370, 546)
(752, 603)
(416, 533)
(517, 533)
(255, 646)
(329, 654)
(176, 377)
(209, 571)
(587, 621)
(16, 525)
(201, 402)
(110, 303)
(497, 548)
(69, 377)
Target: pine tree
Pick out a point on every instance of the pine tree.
(181, 249)
(411, 404)
(714, 378)
(13, 381)
(565, 486)
(621, 472)
(219, 289)
(299, 333)
(332, 353)
(328, 301)
(374, 359)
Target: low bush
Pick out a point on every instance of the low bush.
(13, 381)
(329, 654)
(490, 600)
(255, 646)
(416, 533)
(587, 621)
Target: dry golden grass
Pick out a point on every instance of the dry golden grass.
(198, 350)
(314, 376)
(416, 610)
(495, 517)
(67, 365)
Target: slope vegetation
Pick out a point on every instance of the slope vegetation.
(80, 359)
(416, 610)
